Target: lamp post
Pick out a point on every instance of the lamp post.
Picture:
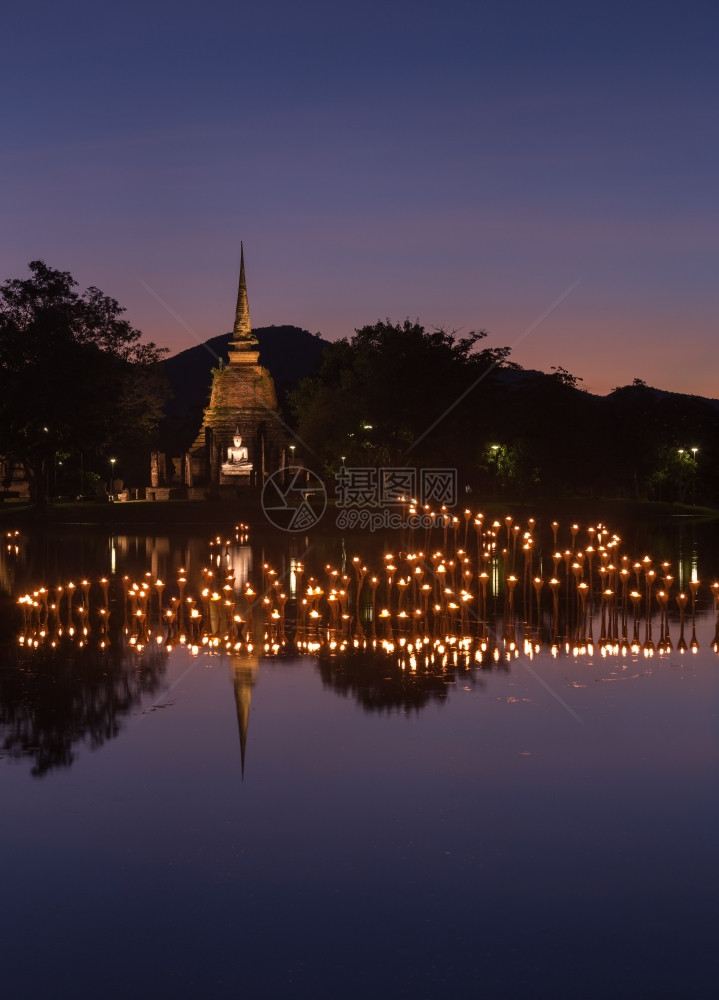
(290, 466)
(692, 461)
(112, 475)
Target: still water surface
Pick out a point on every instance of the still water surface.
(226, 822)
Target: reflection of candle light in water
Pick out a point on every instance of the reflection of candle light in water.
(222, 628)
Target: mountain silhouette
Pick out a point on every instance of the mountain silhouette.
(288, 352)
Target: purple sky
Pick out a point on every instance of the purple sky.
(464, 164)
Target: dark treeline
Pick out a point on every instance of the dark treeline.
(81, 394)
(397, 394)
(52, 701)
(82, 401)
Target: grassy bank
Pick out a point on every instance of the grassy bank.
(587, 510)
(168, 513)
(158, 513)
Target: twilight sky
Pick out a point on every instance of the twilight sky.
(463, 163)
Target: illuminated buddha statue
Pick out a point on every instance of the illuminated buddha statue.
(237, 453)
(238, 460)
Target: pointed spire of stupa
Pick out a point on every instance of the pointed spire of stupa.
(243, 327)
(243, 342)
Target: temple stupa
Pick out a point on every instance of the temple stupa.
(242, 438)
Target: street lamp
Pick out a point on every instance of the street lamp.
(692, 461)
(112, 475)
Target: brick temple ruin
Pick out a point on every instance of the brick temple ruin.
(242, 439)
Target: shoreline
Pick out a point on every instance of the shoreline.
(188, 513)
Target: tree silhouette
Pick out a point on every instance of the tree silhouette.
(54, 700)
(397, 393)
(74, 375)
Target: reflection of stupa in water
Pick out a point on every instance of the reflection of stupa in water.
(244, 669)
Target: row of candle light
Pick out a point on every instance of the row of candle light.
(413, 611)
